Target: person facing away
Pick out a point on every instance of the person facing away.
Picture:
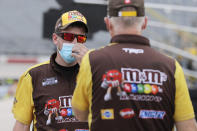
(45, 91)
(128, 85)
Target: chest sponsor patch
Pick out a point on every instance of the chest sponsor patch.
(151, 114)
(127, 113)
(107, 114)
(49, 81)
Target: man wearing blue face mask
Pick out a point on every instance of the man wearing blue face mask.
(45, 91)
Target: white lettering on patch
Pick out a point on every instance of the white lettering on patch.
(151, 114)
(133, 51)
(49, 81)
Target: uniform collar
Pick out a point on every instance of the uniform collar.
(125, 38)
(62, 69)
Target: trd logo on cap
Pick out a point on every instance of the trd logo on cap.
(127, 1)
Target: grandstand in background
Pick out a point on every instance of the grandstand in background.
(172, 28)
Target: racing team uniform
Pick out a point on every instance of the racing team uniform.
(130, 86)
(44, 95)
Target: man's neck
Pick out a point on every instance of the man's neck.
(129, 32)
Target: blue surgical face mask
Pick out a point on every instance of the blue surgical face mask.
(66, 52)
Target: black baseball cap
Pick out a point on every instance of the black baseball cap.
(115, 8)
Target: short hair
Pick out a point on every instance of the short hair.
(127, 21)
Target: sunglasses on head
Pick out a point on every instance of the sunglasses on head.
(70, 37)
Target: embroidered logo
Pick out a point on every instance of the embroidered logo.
(75, 16)
(133, 51)
(134, 84)
(148, 76)
(49, 81)
(60, 110)
(107, 114)
(112, 79)
(127, 113)
(151, 114)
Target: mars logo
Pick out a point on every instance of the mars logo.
(148, 76)
(127, 113)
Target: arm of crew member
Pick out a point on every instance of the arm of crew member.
(81, 115)
(187, 125)
(21, 127)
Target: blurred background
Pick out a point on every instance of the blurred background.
(26, 27)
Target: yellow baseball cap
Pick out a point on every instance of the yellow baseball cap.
(70, 17)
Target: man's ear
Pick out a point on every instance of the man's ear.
(145, 23)
(109, 26)
(106, 19)
(55, 39)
